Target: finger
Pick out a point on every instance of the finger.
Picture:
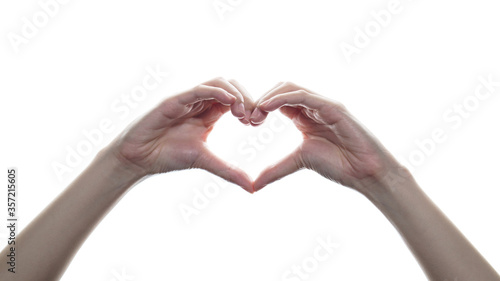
(175, 107)
(248, 101)
(269, 92)
(213, 164)
(282, 88)
(204, 92)
(284, 167)
(258, 116)
(294, 99)
(237, 108)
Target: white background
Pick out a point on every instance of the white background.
(428, 58)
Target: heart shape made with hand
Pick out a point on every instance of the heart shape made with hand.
(173, 136)
(334, 143)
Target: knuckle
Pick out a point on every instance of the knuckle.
(220, 79)
(220, 91)
(214, 81)
(340, 106)
(198, 88)
(302, 92)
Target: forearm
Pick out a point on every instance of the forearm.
(440, 248)
(50, 241)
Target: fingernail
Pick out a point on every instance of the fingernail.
(256, 116)
(241, 108)
(246, 120)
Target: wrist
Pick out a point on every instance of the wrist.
(384, 186)
(121, 173)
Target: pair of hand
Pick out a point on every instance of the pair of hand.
(173, 136)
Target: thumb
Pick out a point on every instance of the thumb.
(213, 164)
(284, 167)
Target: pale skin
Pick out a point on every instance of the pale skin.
(338, 147)
(173, 137)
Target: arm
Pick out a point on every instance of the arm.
(47, 245)
(440, 248)
(338, 147)
(170, 137)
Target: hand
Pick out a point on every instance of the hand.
(173, 135)
(335, 144)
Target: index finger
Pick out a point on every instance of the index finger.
(247, 101)
(237, 108)
(259, 115)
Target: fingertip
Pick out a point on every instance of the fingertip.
(261, 181)
(244, 121)
(239, 178)
(255, 123)
(228, 100)
(257, 117)
(242, 179)
(258, 186)
(249, 190)
(266, 108)
(241, 109)
(230, 97)
(248, 114)
(222, 96)
(238, 110)
(248, 186)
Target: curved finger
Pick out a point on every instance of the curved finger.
(319, 108)
(175, 107)
(237, 108)
(258, 116)
(266, 95)
(296, 98)
(284, 167)
(204, 92)
(213, 164)
(282, 88)
(247, 101)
